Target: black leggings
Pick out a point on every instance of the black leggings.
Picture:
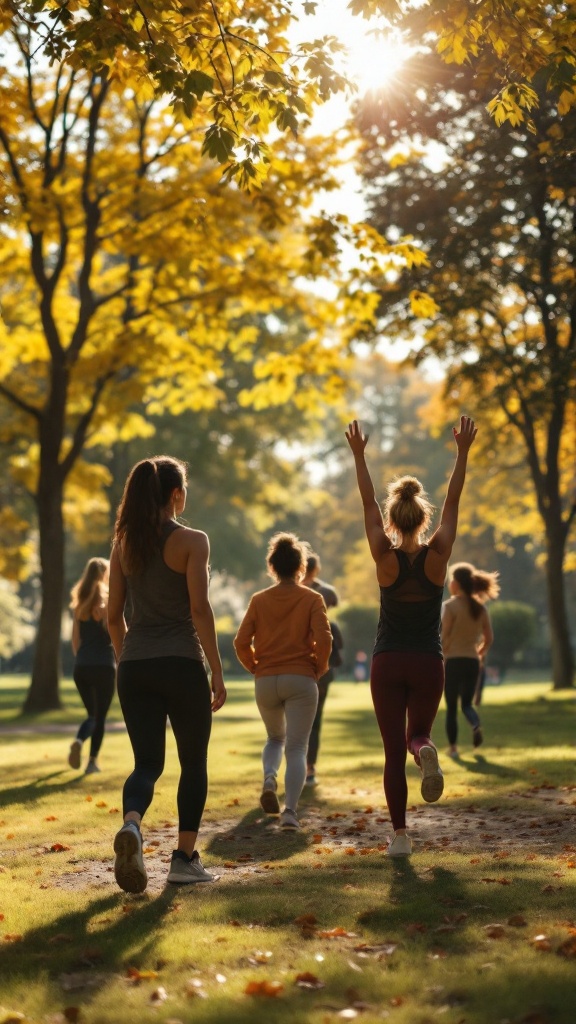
(314, 741)
(95, 684)
(150, 692)
(461, 679)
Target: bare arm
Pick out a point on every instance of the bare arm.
(378, 541)
(444, 537)
(197, 579)
(116, 601)
(75, 636)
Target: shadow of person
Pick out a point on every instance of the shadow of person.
(33, 791)
(254, 838)
(481, 766)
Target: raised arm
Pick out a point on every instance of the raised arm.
(444, 537)
(197, 578)
(378, 541)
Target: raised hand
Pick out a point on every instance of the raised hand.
(466, 435)
(356, 439)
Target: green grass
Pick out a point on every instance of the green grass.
(426, 956)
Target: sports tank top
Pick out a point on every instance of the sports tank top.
(95, 645)
(160, 621)
(410, 609)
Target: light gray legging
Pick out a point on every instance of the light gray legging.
(287, 704)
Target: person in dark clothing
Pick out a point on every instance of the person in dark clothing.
(94, 661)
(407, 674)
(330, 596)
(162, 568)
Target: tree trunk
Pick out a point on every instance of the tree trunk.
(43, 694)
(562, 656)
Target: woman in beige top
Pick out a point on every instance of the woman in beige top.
(466, 636)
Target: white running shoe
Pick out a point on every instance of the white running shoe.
(268, 798)
(75, 755)
(432, 785)
(399, 846)
(184, 869)
(129, 869)
(289, 820)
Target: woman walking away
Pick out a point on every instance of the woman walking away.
(94, 661)
(284, 639)
(466, 637)
(162, 569)
(407, 676)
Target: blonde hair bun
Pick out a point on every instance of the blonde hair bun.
(407, 488)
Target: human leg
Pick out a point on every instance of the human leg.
(389, 696)
(314, 741)
(103, 692)
(451, 690)
(145, 712)
(300, 698)
(272, 714)
(189, 711)
(425, 676)
(84, 685)
(468, 679)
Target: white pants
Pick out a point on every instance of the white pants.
(287, 705)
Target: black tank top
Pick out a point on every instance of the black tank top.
(410, 609)
(95, 644)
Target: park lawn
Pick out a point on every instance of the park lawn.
(407, 941)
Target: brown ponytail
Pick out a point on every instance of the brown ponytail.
(146, 494)
(478, 586)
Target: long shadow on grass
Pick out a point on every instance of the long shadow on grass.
(481, 766)
(33, 791)
(255, 838)
(68, 945)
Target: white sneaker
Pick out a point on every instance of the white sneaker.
(129, 869)
(75, 755)
(399, 846)
(432, 785)
(268, 798)
(184, 870)
(289, 820)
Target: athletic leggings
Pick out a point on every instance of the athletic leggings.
(152, 691)
(314, 741)
(406, 691)
(95, 684)
(461, 680)
(287, 705)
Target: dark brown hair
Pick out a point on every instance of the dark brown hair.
(407, 510)
(286, 556)
(146, 493)
(478, 586)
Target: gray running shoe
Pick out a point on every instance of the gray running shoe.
(184, 869)
(289, 820)
(268, 798)
(311, 780)
(432, 785)
(91, 768)
(129, 869)
(75, 755)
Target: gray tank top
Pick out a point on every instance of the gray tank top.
(160, 621)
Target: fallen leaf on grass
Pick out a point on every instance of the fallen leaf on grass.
(396, 1001)
(541, 942)
(51, 817)
(336, 933)
(57, 848)
(308, 981)
(101, 803)
(387, 948)
(259, 957)
(11, 937)
(517, 921)
(500, 881)
(271, 989)
(494, 931)
(568, 947)
(135, 975)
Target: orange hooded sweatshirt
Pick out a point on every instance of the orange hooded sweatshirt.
(285, 631)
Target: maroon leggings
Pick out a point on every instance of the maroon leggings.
(404, 685)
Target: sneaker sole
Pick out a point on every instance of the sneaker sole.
(432, 785)
(180, 880)
(75, 755)
(269, 802)
(288, 827)
(403, 853)
(130, 875)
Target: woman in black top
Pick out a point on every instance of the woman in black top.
(162, 568)
(94, 662)
(407, 675)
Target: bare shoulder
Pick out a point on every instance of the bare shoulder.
(192, 540)
(387, 568)
(435, 566)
